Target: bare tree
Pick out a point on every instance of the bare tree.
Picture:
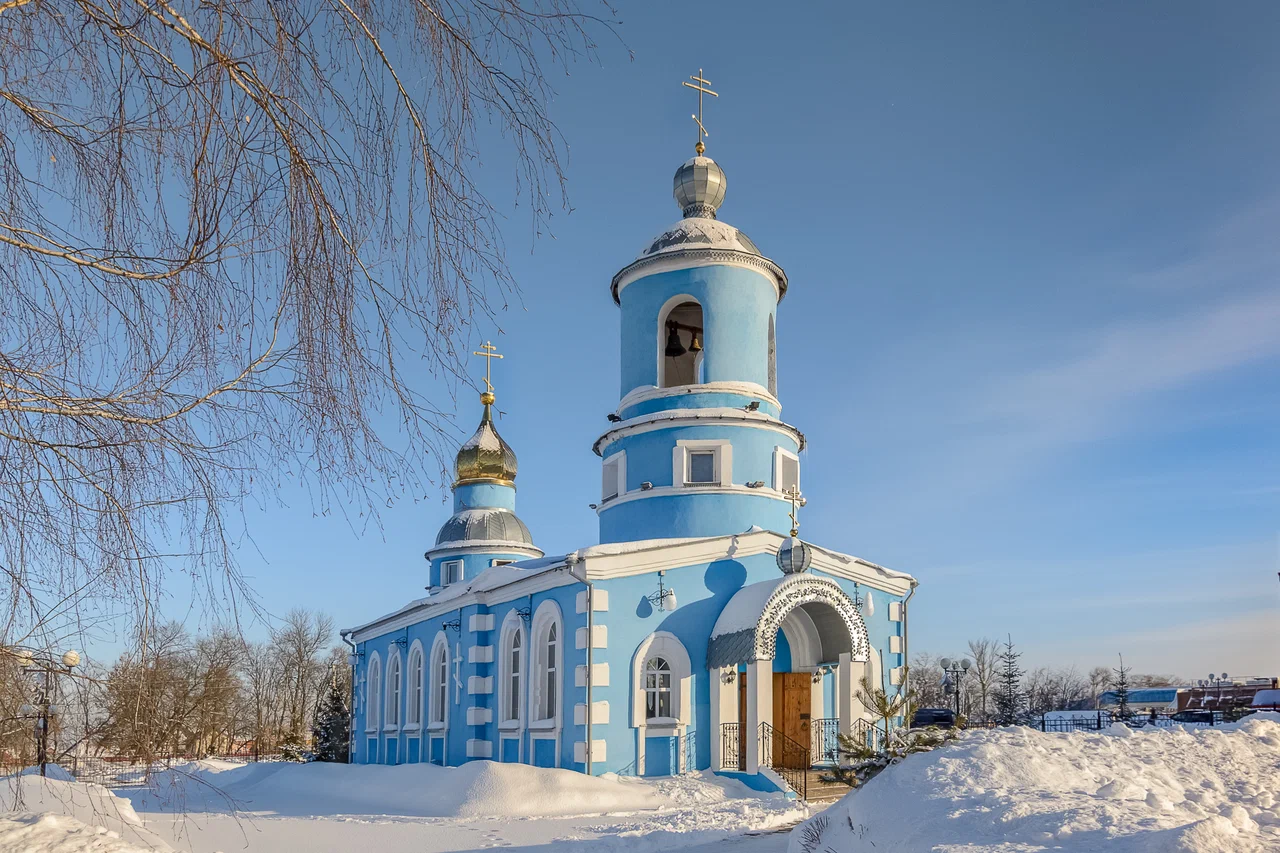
(229, 230)
(301, 645)
(1099, 680)
(982, 675)
(926, 681)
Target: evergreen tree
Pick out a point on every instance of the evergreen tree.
(1009, 688)
(1122, 691)
(331, 732)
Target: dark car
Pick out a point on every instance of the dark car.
(942, 717)
(1189, 716)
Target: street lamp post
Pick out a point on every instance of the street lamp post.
(43, 670)
(955, 672)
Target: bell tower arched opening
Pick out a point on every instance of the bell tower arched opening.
(680, 343)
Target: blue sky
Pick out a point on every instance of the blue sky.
(1032, 335)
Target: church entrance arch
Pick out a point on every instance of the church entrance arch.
(768, 714)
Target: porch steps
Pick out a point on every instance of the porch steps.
(824, 792)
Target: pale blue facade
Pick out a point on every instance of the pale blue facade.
(662, 649)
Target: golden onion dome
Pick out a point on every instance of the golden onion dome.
(485, 457)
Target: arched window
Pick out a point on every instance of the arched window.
(511, 671)
(439, 682)
(681, 341)
(773, 360)
(547, 630)
(414, 714)
(662, 692)
(513, 678)
(373, 693)
(393, 690)
(657, 688)
(549, 685)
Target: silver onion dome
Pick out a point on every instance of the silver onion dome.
(484, 526)
(794, 556)
(699, 187)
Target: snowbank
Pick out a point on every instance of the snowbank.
(59, 815)
(1202, 790)
(476, 789)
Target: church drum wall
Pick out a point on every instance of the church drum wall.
(694, 511)
(736, 305)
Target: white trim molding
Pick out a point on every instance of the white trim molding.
(513, 630)
(546, 619)
(670, 418)
(373, 687)
(667, 646)
(645, 393)
(438, 683)
(480, 622)
(599, 601)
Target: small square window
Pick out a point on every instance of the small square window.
(702, 466)
(451, 571)
(501, 562)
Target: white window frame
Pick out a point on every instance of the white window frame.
(619, 461)
(444, 571)
(779, 455)
(373, 693)
(512, 627)
(665, 645)
(723, 449)
(394, 688)
(548, 616)
(417, 693)
(496, 562)
(438, 711)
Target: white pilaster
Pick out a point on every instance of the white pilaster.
(759, 709)
(724, 709)
(845, 680)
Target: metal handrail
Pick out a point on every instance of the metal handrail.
(792, 765)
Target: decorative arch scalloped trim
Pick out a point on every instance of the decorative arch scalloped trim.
(807, 589)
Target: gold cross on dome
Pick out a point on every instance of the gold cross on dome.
(488, 352)
(700, 85)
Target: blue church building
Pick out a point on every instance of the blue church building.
(701, 632)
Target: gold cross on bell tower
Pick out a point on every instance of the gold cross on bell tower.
(700, 85)
(488, 352)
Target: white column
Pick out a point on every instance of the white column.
(845, 682)
(759, 709)
(817, 710)
(724, 709)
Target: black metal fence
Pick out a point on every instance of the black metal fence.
(113, 771)
(1097, 720)
(731, 752)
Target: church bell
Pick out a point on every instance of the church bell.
(675, 349)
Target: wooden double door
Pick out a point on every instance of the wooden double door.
(792, 713)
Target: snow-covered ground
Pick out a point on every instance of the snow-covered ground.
(1018, 790)
(222, 806)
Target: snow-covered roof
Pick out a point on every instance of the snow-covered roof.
(490, 579)
(743, 610)
(1267, 698)
(697, 232)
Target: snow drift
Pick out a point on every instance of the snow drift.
(59, 815)
(475, 789)
(1017, 790)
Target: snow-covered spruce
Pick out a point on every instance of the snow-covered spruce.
(1018, 790)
